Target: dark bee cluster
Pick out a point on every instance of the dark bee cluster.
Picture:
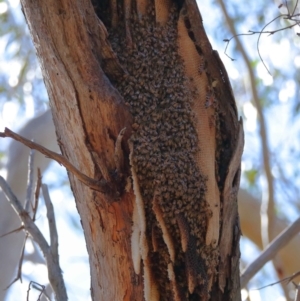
(165, 140)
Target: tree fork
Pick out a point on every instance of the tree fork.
(86, 76)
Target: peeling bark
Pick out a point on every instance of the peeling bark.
(146, 66)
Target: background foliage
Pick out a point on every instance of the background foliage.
(23, 95)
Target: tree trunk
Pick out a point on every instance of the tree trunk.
(143, 104)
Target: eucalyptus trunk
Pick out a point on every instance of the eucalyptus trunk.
(143, 104)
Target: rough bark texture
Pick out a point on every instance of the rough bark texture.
(172, 234)
(89, 114)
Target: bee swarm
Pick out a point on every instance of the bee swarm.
(164, 146)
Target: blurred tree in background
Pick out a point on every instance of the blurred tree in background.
(269, 105)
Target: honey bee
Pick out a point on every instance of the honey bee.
(203, 65)
(210, 98)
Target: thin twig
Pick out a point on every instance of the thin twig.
(54, 271)
(257, 44)
(37, 193)
(270, 251)
(30, 181)
(286, 279)
(234, 37)
(98, 185)
(51, 222)
(287, 7)
(37, 287)
(12, 231)
(271, 32)
(262, 31)
(297, 295)
(19, 272)
(296, 4)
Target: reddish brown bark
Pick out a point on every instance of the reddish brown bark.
(80, 71)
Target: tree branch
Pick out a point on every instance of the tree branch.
(54, 271)
(30, 181)
(98, 185)
(297, 296)
(37, 193)
(287, 16)
(51, 222)
(270, 251)
(40, 288)
(19, 271)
